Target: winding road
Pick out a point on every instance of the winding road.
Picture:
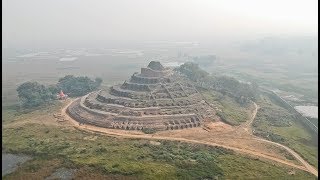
(246, 126)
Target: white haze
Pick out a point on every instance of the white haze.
(34, 23)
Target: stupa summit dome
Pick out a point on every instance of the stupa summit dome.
(157, 98)
(155, 65)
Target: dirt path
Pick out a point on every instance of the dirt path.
(247, 125)
(306, 166)
(247, 128)
(310, 168)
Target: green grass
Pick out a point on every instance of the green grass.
(233, 113)
(256, 169)
(110, 156)
(276, 123)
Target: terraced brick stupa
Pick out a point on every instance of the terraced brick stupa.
(157, 98)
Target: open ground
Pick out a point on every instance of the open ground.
(239, 139)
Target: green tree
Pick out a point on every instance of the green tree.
(78, 86)
(33, 94)
(241, 92)
(192, 71)
(53, 89)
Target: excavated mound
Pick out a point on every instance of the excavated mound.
(157, 98)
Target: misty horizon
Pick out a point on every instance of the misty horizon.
(99, 23)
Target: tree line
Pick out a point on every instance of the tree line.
(33, 94)
(242, 92)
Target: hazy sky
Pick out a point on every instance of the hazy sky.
(56, 22)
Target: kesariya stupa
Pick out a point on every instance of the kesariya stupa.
(157, 98)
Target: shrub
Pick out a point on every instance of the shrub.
(148, 130)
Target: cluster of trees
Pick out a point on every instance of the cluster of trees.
(78, 86)
(33, 94)
(192, 71)
(242, 92)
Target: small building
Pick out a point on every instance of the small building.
(62, 96)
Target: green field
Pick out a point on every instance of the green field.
(98, 156)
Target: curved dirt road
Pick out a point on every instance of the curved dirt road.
(306, 166)
(247, 127)
(310, 168)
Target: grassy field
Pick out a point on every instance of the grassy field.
(276, 123)
(233, 112)
(97, 156)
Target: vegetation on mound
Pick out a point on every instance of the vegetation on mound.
(241, 92)
(274, 122)
(105, 157)
(230, 111)
(193, 72)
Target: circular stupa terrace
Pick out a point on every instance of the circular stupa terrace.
(157, 98)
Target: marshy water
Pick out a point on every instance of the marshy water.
(10, 162)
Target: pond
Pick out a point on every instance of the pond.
(309, 111)
(10, 162)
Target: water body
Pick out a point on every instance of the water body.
(10, 162)
(309, 111)
(68, 59)
(29, 55)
